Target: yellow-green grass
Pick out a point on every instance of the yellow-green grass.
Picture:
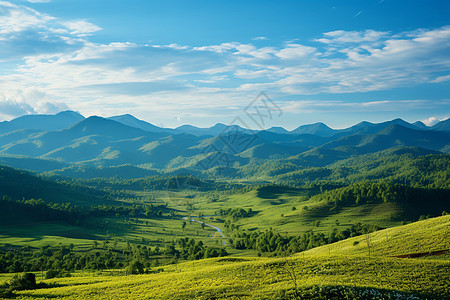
(271, 278)
(419, 237)
(261, 278)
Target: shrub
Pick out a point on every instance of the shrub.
(56, 274)
(25, 281)
(135, 267)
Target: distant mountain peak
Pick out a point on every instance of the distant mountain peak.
(69, 112)
(132, 121)
(125, 116)
(398, 120)
(364, 123)
(420, 125)
(318, 128)
(278, 129)
(95, 125)
(219, 125)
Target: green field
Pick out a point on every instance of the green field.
(321, 273)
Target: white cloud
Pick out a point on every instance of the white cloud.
(430, 121)
(310, 106)
(260, 38)
(66, 67)
(12, 108)
(433, 120)
(295, 51)
(441, 79)
(14, 18)
(81, 27)
(38, 1)
(341, 36)
(51, 107)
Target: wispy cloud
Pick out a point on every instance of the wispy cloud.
(56, 60)
(11, 108)
(81, 27)
(38, 1)
(441, 79)
(358, 13)
(260, 38)
(15, 18)
(310, 106)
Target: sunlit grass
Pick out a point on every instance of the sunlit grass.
(341, 264)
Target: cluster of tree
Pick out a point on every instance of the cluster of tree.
(19, 184)
(425, 200)
(58, 260)
(267, 168)
(277, 244)
(118, 187)
(156, 182)
(55, 258)
(235, 213)
(28, 211)
(193, 250)
(306, 175)
(399, 166)
(64, 258)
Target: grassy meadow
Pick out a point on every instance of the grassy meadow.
(342, 270)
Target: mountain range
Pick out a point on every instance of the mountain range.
(66, 119)
(69, 144)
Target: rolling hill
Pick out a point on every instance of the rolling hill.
(421, 238)
(17, 185)
(337, 271)
(125, 140)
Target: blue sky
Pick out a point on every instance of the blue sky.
(202, 62)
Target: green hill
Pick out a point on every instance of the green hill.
(412, 166)
(317, 274)
(426, 236)
(122, 171)
(17, 185)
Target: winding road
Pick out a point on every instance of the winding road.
(209, 225)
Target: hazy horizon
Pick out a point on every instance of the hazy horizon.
(435, 121)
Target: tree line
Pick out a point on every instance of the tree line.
(276, 244)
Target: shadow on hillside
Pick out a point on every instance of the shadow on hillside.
(274, 192)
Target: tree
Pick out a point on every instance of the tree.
(183, 225)
(25, 281)
(290, 269)
(135, 267)
(368, 243)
